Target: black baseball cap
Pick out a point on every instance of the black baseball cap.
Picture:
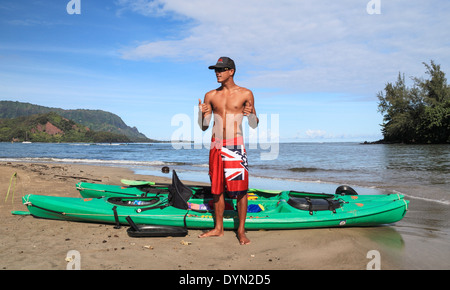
(223, 62)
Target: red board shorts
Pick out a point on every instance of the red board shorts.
(228, 167)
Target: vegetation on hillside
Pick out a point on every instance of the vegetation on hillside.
(417, 114)
(96, 120)
(51, 127)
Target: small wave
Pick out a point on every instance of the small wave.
(280, 178)
(107, 144)
(92, 161)
(441, 201)
(201, 165)
(95, 144)
(315, 169)
(304, 169)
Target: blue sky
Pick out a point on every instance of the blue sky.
(315, 65)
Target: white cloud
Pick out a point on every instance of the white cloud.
(305, 45)
(315, 134)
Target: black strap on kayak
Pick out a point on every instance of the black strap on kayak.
(116, 217)
(310, 205)
(152, 207)
(184, 220)
(331, 205)
(49, 210)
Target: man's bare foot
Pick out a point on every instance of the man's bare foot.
(243, 240)
(212, 233)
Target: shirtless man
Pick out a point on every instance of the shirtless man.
(228, 167)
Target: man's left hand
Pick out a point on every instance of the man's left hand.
(248, 108)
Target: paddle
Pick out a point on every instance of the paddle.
(136, 182)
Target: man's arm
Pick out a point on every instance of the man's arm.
(250, 111)
(204, 113)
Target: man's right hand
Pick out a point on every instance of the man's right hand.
(204, 115)
(204, 108)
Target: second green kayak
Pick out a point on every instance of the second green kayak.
(286, 210)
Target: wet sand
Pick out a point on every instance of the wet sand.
(419, 241)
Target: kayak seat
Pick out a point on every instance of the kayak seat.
(179, 193)
(314, 204)
(178, 197)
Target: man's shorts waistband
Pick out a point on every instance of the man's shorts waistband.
(219, 143)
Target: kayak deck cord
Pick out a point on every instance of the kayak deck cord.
(46, 209)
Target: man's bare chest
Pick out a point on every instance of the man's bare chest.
(227, 105)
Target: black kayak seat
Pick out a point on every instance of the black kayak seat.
(179, 193)
(314, 204)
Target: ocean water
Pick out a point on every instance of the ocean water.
(417, 171)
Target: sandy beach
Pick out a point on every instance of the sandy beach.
(419, 241)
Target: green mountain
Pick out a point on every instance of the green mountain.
(51, 127)
(95, 120)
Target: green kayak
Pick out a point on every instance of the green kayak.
(286, 210)
(94, 190)
(144, 189)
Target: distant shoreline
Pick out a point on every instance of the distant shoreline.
(84, 142)
(382, 141)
